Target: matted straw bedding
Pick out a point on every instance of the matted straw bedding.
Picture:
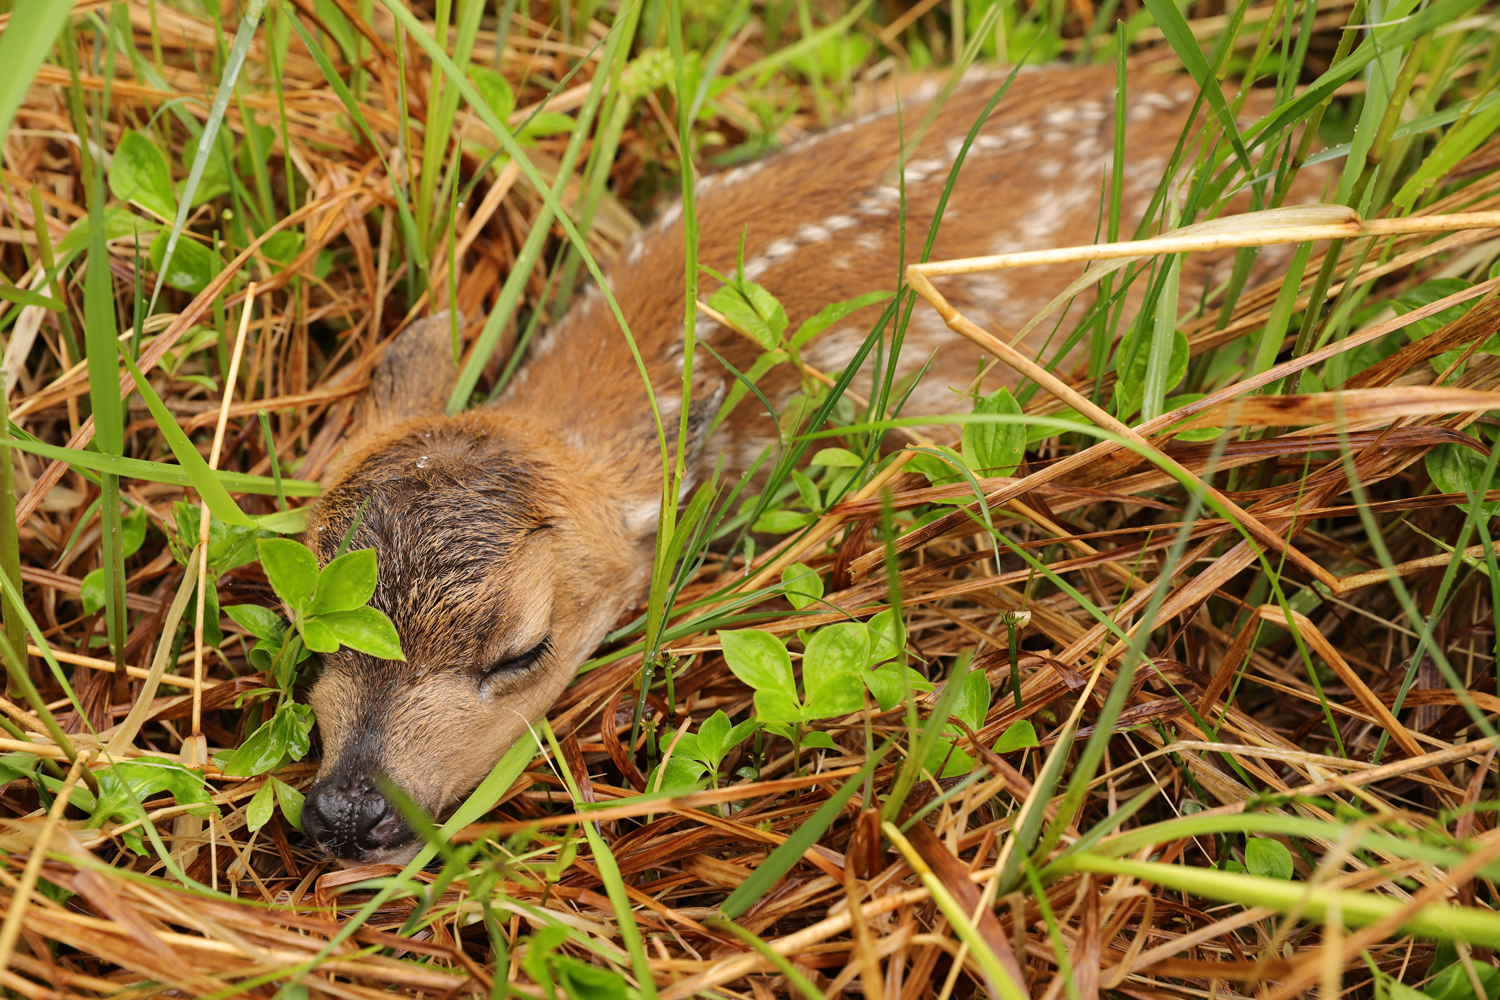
(1247, 721)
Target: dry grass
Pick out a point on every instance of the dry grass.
(1226, 721)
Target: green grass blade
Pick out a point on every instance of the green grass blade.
(206, 142)
(193, 466)
(1175, 28)
(28, 38)
(781, 860)
(157, 472)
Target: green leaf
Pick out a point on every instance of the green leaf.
(292, 569)
(122, 786)
(547, 123)
(346, 583)
(753, 309)
(808, 490)
(841, 458)
(1198, 434)
(780, 522)
(887, 635)
(830, 315)
(192, 267)
(830, 667)
(1425, 294)
(495, 90)
(939, 472)
(1454, 146)
(886, 685)
(682, 774)
(119, 223)
(134, 525)
(91, 591)
(155, 472)
(802, 584)
(139, 172)
(263, 623)
(816, 740)
(318, 636)
(1453, 983)
(261, 752)
(215, 180)
(293, 725)
(1017, 736)
(582, 981)
(258, 812)
(1455, 468)
(1268, 858)
(995, 449)
(760, 660)
(973, 699)
(365, 629)
(1131, 365)
(291, 802)
(713, 737)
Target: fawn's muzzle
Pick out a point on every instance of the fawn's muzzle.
(353, 824)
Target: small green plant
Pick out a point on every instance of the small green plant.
(329, 608)
(839, 663)
(697, 754)
(989, 449)
(947, 758)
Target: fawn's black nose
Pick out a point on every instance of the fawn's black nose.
(352, 823)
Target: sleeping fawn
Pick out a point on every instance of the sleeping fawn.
(511, 537)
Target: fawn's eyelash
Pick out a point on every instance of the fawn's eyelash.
(523, 660)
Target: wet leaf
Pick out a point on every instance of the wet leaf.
(346, 583)
(1268, 858)
(365, 629)
(139, 172)
(292, 569)
(802, 584)
(995, 449)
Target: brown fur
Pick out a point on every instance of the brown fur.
(534, 516)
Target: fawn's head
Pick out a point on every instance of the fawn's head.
(506, 550)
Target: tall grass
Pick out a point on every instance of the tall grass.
(1235, 631)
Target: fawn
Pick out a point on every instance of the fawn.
(512, 536)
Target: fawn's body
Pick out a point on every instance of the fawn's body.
(512, 537)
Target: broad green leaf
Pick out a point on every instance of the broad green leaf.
(816, 740)
(886, 685)
(258, 812)
(1268, 858)
(547, 123)
(780, 522)
(831, 670)
(682, 773)
(1455, 468)
(215, 179)
(1131, 366)
(582, 981)
(291, 802)
(887, 635)
(760, 660)
(995, 449)
(365, 629)
(687, 745)
(283, 247)
(1198, 434)
(808, 490)
(837, 457)
(122, 786)
(192, 267)
(293, 724)
(1453, 983)
(134, 525)
(292, 569)
(939, 471)
(802, 584)
(753, 309)
(831, 314)
(777, 706)
(119, 223)
(1017, 736)
(260, 752)
(1425, 294)
(263, 623)
(713, 737)
(139, 172)
(346, 583)
(318, 636)
(973, 699)
(495, 90)
(91, 591)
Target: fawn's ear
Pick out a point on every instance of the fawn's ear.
(416, 375)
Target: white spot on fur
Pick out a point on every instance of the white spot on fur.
(670, 217)
(835, 223)
(812, 234)
(781, 248)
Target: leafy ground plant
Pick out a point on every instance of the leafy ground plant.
(872, 736)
